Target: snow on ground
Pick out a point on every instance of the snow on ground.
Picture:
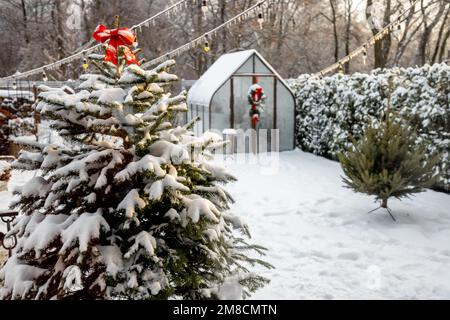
(323, 243)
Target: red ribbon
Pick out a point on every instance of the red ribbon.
(118, 38)
(256, 96)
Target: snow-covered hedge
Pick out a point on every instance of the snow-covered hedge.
(332, 109)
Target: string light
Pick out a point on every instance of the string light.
(260, 17)
(364, 55)
(363, 49)
(397, 30)
(96, 47)
(85, 64)
(14, 85)
(206, 46)
(200, 40)
(204, 7)
(44, 76)
(260, 20)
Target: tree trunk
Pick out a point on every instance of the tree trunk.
(59, 24)
(427, 31)
(222, 9)
(444, 46)
(25, 21)
(407, 37)
(348, 28)
(440, 35)
(386, 41)
(384, 203)
(335, 33)
(383, 46)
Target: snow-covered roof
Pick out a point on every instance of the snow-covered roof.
(204, 88)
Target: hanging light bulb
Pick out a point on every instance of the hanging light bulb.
(85, 64)
(206, 46)
(364, 55)
(44, 76)
(341, 68)
(204, 7)
(135, 43)
(260, 20)
(398, 30)
(14, 85)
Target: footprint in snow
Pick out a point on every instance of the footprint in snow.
(323, 200)
(333, 214)
(311, 254)
(445, 253)
(279, 213)
(349, 256)
(320, 254)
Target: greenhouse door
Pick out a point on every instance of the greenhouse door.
(240, 106)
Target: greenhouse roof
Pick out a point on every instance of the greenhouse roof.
(204, 88)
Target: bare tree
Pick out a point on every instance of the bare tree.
(442, 37)
(297, 36)
(430, 19)
(348, 29)
(383, 46)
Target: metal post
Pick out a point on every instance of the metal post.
(8, 217)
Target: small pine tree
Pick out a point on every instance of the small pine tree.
(130, 207)
(388, 162)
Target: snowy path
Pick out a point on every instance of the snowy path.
(323, 243)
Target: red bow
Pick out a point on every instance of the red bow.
(257, 94)
(118, 38)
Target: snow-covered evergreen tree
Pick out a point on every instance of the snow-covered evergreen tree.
(130, 207)
(388, 163)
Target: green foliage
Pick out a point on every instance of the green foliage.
(388, 162)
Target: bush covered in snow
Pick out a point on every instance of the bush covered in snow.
(332, 109)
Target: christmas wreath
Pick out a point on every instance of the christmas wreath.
(256, 98)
